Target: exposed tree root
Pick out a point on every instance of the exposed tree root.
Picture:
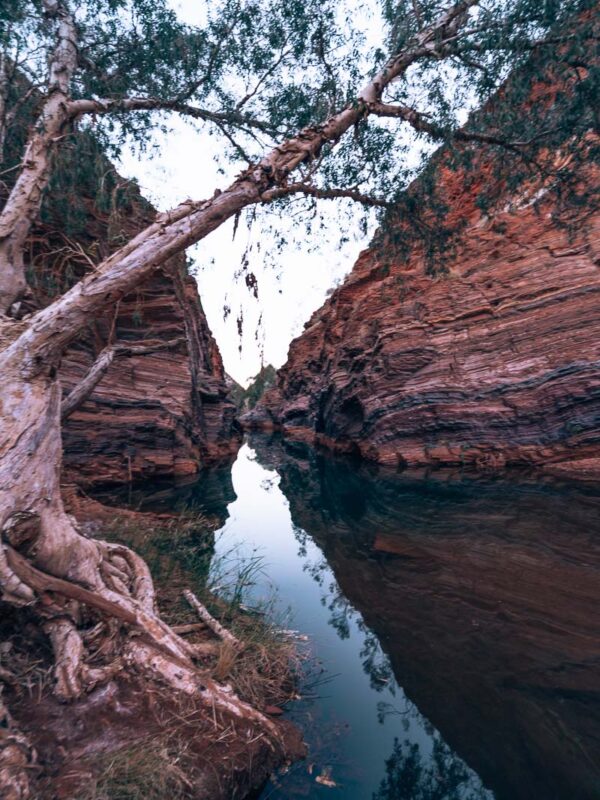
(146, 644)
(17, 758)
(72, 675)
(95, 600)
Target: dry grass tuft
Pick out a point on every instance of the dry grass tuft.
(180, 553)
(149, 770)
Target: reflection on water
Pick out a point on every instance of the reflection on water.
(210, 492)
(457, 619)
(484, 595)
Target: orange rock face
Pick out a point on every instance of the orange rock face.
(495, 362)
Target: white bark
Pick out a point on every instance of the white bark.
(191, 221)
(23, 203)
(210, 621)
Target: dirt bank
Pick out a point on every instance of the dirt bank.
(129, 738)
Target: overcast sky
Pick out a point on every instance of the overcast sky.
(183, 166)
(288, 290)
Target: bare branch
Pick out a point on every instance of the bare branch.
(234, 143)
(78, 108)
(210, 621)
(418, 120)
(325, 194)
(79, 394)
(249, 95)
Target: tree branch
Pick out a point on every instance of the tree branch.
(78, 108)
(52, 328)
(79, 394)
(420, 123)
(324, 194)
(249, 95)
(208, 619)
(23, 203)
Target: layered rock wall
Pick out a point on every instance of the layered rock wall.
(496, 361)
(161, 414)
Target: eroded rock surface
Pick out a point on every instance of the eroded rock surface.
(161, 414)
(492, 360)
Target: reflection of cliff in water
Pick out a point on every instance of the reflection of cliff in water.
(485, 595)
(209, 492)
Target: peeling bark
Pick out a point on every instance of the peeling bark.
(23, 204)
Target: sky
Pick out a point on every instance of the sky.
(291, 285)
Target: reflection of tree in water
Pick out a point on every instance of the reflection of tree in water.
(439, 776)
(374, 661)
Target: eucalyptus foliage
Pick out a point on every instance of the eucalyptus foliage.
(256, 71)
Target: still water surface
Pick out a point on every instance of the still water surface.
(456, 621)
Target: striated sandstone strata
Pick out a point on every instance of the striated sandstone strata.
(162, 414)
(493, 361)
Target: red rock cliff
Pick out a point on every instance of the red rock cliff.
(160, 414)
(495, 362)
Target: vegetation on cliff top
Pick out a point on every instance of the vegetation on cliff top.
(246, 399)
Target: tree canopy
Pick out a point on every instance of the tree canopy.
(255, 73)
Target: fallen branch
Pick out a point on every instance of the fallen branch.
(192, 627)
(209, 620)
(79, 394)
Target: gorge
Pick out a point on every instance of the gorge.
(162, 409)
(453, 653)
(387, 590)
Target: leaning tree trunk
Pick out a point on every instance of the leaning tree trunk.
(24, 201)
